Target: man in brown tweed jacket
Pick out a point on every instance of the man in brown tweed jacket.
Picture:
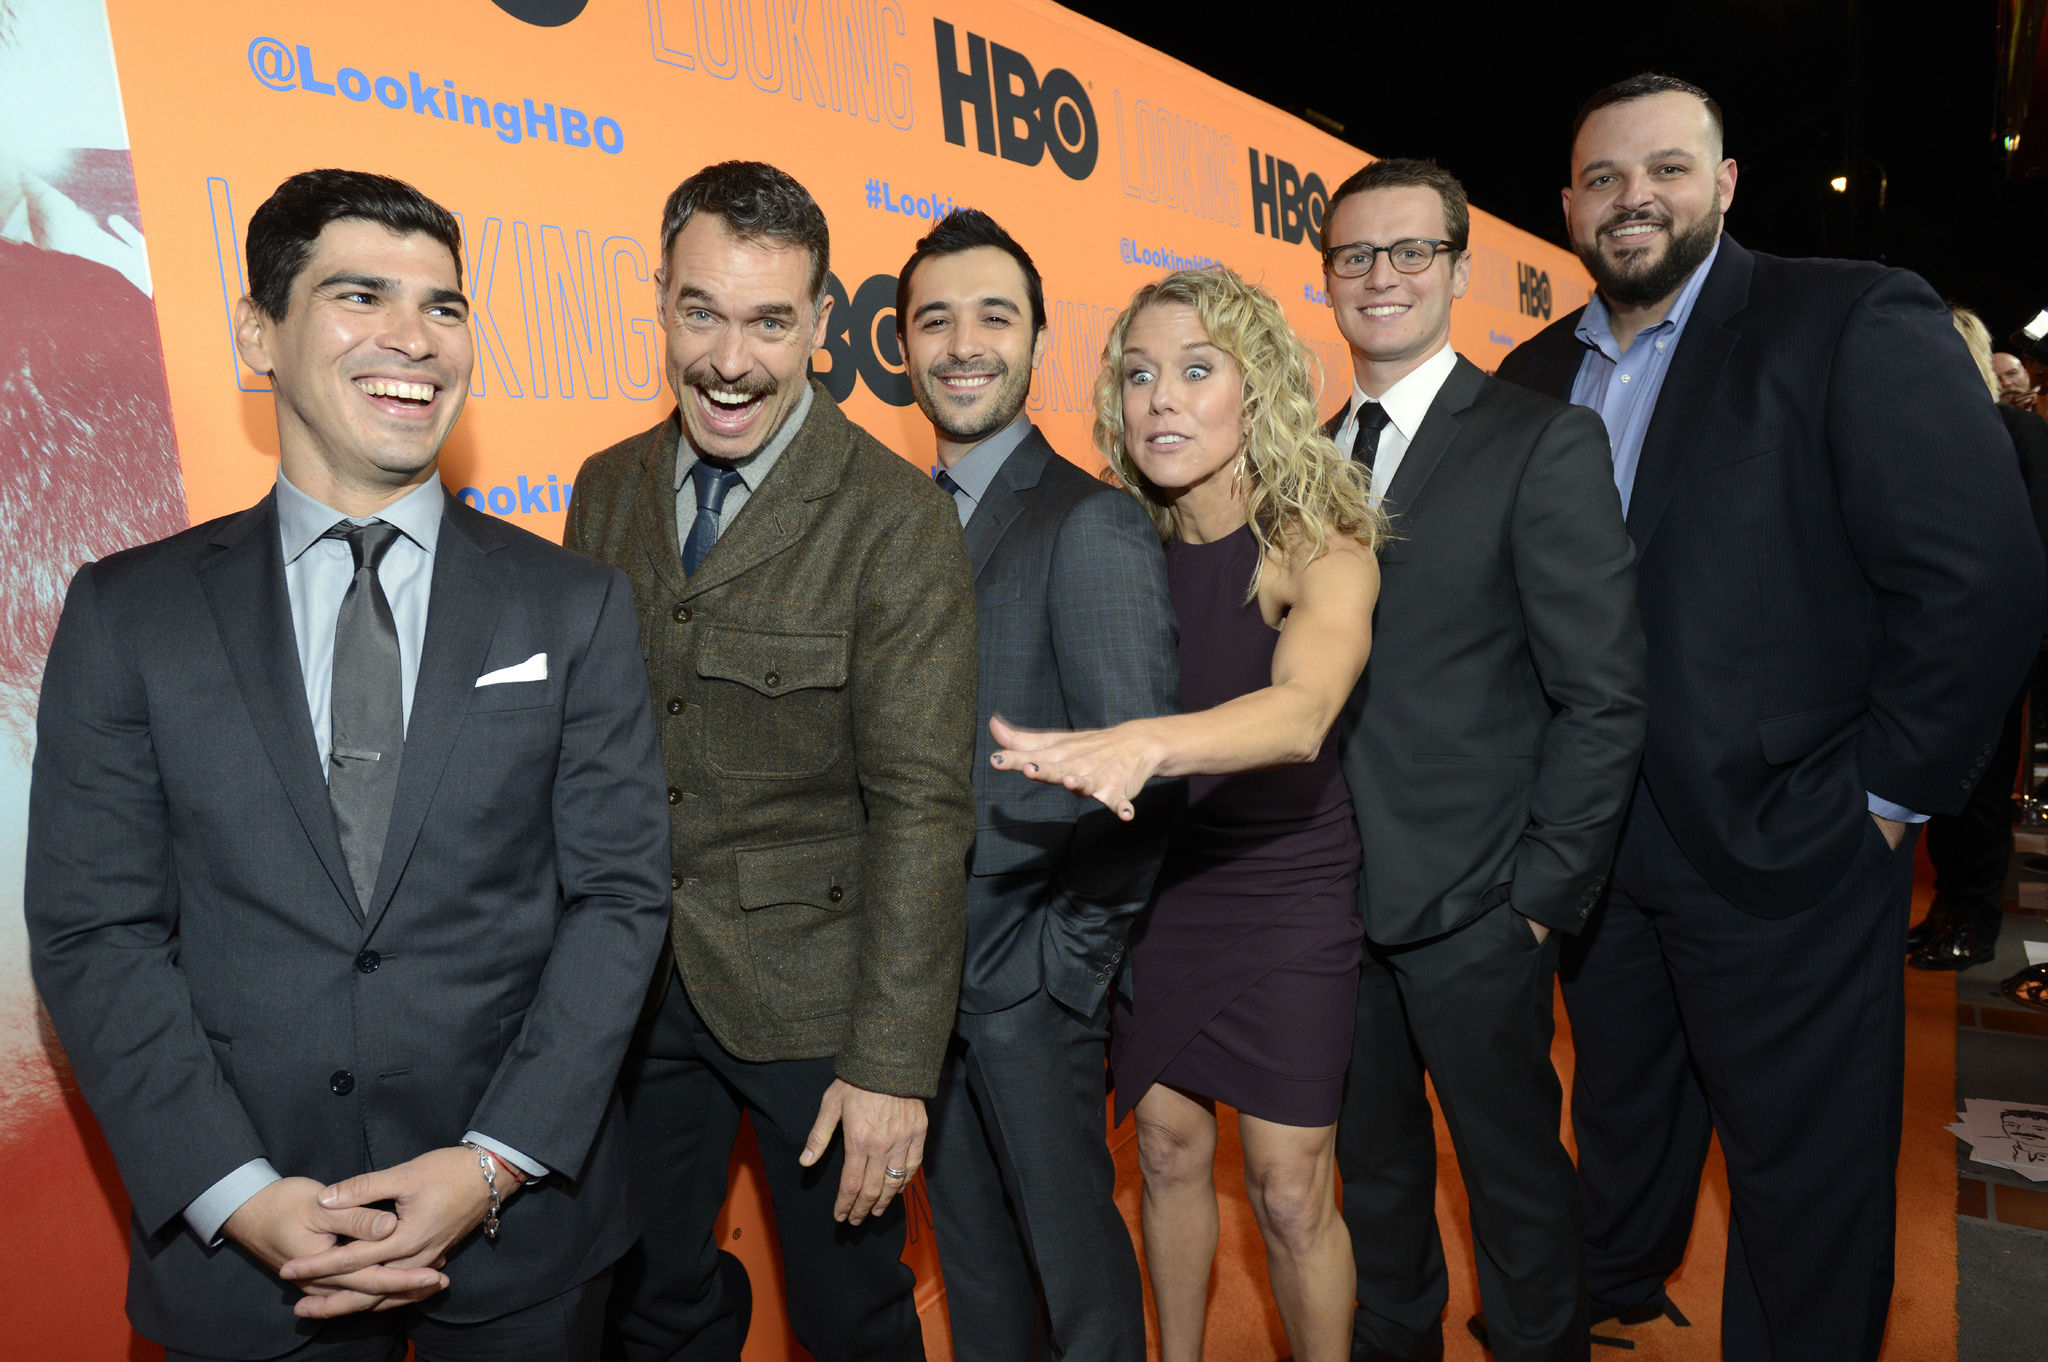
(808, 617)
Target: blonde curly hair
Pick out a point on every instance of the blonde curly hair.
(1302, 491)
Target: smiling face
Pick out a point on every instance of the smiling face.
(1649, 186)
(969, 345)
(1394, 321)
(1183, 399)
(741, 327)
(370, 362)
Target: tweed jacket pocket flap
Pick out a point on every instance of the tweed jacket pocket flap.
(773, 663)
(822, 874)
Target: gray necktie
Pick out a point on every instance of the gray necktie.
(713, 483)
(1365, 441)
(367, 709)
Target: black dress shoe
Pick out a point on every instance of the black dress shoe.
(1967, 942)
(1923, 933)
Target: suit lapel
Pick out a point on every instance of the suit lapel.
(1002, 501)
(1688, 390)
(245, 589)
(1439, 429)
(777, 515)
(463, 604)
(654, 509)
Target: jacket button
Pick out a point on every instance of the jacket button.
(676, 705)
(835, 893)
(342, 1083)
(1964, 784)
(773, 678)
(675, 796)
(682, 614)
(368, 961)
(675, 882)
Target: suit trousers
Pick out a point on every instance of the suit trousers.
(1972, 850)
(564, 1329)
(1474, 1009)
(1787, 1036)
(1037, 1257)
(851, 1298)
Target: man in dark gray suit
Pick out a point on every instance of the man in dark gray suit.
(347, 854)
(1076, 631)
(1489, 749)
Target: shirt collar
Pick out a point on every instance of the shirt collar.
(1596, 323)
(1408, 401)
(303, 519)
(753, 469)
(978, 467)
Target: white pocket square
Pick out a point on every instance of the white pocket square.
(535, 668)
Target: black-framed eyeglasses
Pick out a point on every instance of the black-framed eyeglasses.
(1411, 256)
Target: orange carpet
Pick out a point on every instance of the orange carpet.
(1243, 1326)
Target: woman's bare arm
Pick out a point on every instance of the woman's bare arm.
(1327, 635)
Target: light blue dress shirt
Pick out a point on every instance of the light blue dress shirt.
(978, 467)
(317, 574)
(1622, 385)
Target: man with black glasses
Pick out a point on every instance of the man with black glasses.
(1489, 749)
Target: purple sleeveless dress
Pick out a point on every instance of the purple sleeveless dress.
(1243, 975)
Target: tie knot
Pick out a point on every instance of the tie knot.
(713, 483)
(368, 542)
(945, 481)
(1373, 417)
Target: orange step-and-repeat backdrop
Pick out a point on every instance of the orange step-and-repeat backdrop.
(555, 129)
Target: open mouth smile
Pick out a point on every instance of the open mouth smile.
(727, 410)
(398, 396)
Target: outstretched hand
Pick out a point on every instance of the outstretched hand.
(1106, 764)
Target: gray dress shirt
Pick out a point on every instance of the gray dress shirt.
(978, 467)
(753, 471)
(317, 574)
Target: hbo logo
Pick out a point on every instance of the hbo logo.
(1016, 114)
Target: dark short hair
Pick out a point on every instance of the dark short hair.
(1402, 172)
(755, 200)
(1643, 86)
(965, 229)
(282, 233)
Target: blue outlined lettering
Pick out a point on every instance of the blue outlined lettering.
(291, 68)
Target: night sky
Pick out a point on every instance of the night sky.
(1489, 91)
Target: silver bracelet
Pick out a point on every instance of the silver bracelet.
(483, 1158)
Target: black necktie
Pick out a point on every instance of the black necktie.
(945, 481)
(713, 483)
(1365, 441)
(367, 709)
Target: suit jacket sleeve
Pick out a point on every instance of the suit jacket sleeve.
(101, 900)
(1575, 571)
(2030, 441)
(912, 682)
(611, 830)
(1116, 646)
(1936, 515)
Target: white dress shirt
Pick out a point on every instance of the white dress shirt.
(1407, 402)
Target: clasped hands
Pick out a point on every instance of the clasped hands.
(348, 1257)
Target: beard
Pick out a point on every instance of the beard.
(977, 424)
(1634, 281)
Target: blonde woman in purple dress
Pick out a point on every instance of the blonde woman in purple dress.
(1243, 975)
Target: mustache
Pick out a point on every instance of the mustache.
(946, 368)
(701, 375)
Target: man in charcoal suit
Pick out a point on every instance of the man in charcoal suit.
(346, 854)
(1076, 631)
(1841, 590)
(1489, 749)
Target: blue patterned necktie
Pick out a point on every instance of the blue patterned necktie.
(945, 481)
(713, 483)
